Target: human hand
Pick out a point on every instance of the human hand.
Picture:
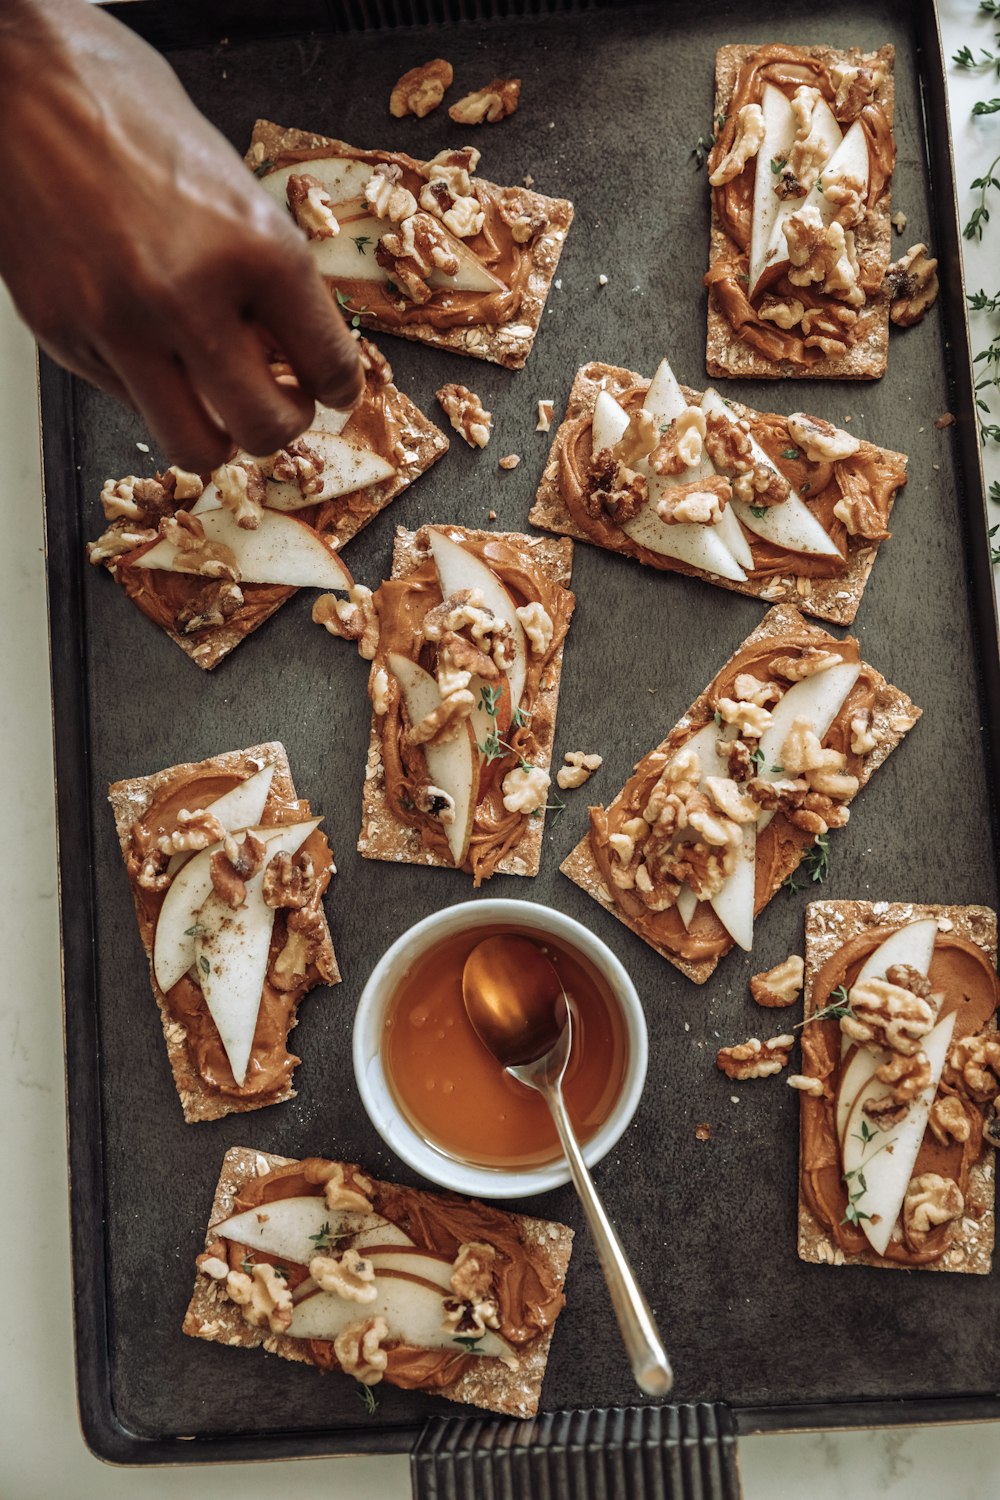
(143, 254)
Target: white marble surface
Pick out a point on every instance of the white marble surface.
(42, 1454)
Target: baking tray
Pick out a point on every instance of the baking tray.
(614, 98)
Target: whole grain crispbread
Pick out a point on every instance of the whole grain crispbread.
(726, 352)
(829, 925)
(893, 717)
(501, 344)
(492, 1384)
(129, 800)
(833, 599)
(381, 836)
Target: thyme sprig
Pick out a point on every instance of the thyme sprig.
(345, 306)
(838, 1007)
(815, 863)
(368, 1399)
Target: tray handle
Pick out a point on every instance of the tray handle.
(678, 1452)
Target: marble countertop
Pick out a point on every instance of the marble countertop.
(43, 1453)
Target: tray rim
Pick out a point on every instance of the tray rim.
(103, 1432)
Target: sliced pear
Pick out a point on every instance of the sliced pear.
(733, 904)
(856, 1073)
(664, 400)
(347, 466)
(329, 419)
(231, 949)
(686, 903)
(776, 253)
(609, 423)
(459, 569)
(730, 532)
(887, 1160)
(413, 1262)
(413, 1311)
(779, 133)
(454, 765)
(791, 524)
(912, 944)
(699, 546)
(240, 808)
(343, 177)
(282, 550)
(818, 699)
(293, 1227)
(173, 940)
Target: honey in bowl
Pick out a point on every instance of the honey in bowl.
(455, 1093)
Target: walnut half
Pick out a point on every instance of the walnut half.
(754, 1058)
(487, 105)
(466, 413)
(912, 284)
(780, 986)
(421, 90)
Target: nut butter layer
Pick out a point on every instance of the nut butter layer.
(847, 487)
(227, 868)
(763, 764)
(487, 614)
(801, 175)
(320, 491)
(898, 1132)
(423, 250)
(321, 1264)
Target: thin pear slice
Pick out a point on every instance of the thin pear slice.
(413, 1262)
(886, 1162)
(343, 178)
(609, 423)
(173, 940)
(664, 400)
(242, 807)
(281, 550)
(733, 904)
(818, 700)
(856, 1072)
(347, 466)
(459, 569)
(686, 903)
(730, 532)
(231, 949)
(779, 133)
(790, 525)
(413, 1311)
(329, 419)
(294, 1228)
(454, 765)
(912, 944)
(776, 253)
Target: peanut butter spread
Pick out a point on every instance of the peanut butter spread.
(868, 480)
(705, 937)
(528, 1297)
(832, 322)
(270, 1064)
(495, 246)
(402, 604)
(164, 597)
(965, 976)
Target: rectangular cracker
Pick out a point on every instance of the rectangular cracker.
(422, 444)
(381, 836)
(506, 344)
(129, 800)
(893, 717)
(727, 354)
(491, 1385)
(829, 925)
(833, 599)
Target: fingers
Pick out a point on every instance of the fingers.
(233, 378)
(296, 307)
(186, 431)
(89, 366)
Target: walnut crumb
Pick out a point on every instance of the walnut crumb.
(946, 419)
(546, 411)
(579, 768)
(466, 414)
(703, 1131)
(511, 461)
(898, 221)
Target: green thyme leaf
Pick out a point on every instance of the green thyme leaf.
(361, 241)
(790, 453)
(368, 1399)
(204, 965)
(759, 511)
(262, 169)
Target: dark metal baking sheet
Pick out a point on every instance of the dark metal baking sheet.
(613, 100)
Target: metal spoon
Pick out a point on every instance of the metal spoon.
(517, 1006)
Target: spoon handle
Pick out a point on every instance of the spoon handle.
(645, 1350)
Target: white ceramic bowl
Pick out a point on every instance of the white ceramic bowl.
(369, 1024)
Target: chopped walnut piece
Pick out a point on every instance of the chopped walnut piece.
(435, 802)
(413, 251)
(264, 1296)
(546, 411)
(973, 1067)
(699, 503)
(353, 619)
(538, 626)
(786, 314)
(385, 195)
(349, 1276)
(489, 632)
(809, 149)
(908, 1077)
(194, 553)
(578, 769)
(289, 881)
(378, 691)
(948, 1120)
(780, 986)
(472, 1282)
(813, 812)
(616, 489)
(930, 1201)
(242, 490)
(751, 717)
(863, 738)
(749, 689)
(846, 192)
(525, 225)
(234, 865)
(898, 221)
(212, 1262)
(855, 86)
(637, 441)
(730, 800)
(357, 1350)
(443, 721)
(449, 194)
(195, 830)
(458, 660)
(487, 105)
(806, 1085)
(912, 283)
(213, 605)
(824, 254)
(511, 461)
(802, 751)
(338, 1192)
(884, 1014)
(747, 142)
(703, 1131)
(135, 499)
(858, 507)
(729, 446)
(739, 762)
(809, 661)
(680, 447)
(310, 206)
(117, 540)
(421, 90)
(525, 789)
(754, 1058)
(466, 413)
(820, 440)
(299, 464)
